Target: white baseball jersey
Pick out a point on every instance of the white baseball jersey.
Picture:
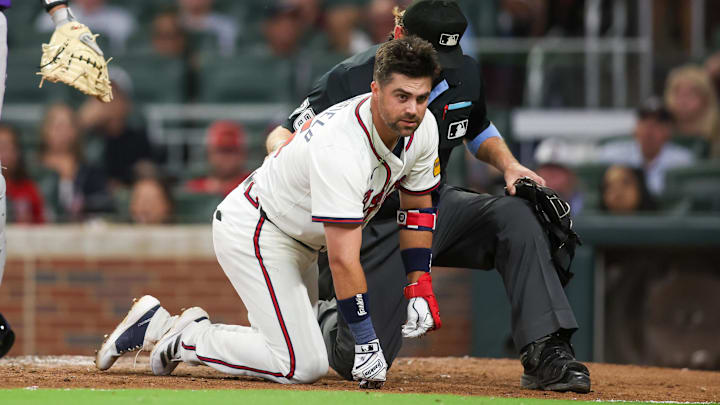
(337, 169)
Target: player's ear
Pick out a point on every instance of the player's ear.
(374, 87)
(399, 32)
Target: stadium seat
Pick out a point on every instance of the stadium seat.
(155, 78)
(195, 208)
(590, 177)
(697, 186)
(246, 77)
(22, 82)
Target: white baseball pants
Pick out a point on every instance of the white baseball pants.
(276, 278)
(3, 202)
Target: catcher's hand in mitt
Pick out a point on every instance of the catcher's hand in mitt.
(73, 57)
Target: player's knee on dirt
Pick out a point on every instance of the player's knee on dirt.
(311, 370)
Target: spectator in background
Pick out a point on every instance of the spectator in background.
(197, 16)
(522, 18)
(691, 98)
(75, 190)
(563, 180)
(380, 20)
(282, 29)
(124, 146)
(712, 68)
(150, 202)
(342, 19)
(650, 149)
(227, 153)
(114, 23)
(623, 191)
(310, 13)
(168, 36)
(24, 201)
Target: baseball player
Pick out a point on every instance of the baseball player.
(315, 193)
(476, 231)
(89, 76)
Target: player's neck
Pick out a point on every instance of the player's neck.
(387, 135)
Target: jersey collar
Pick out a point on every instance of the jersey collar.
(381, 152)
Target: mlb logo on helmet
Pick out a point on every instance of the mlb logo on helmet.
(449, 39)
(440, 22)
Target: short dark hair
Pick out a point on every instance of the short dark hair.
(410, 56)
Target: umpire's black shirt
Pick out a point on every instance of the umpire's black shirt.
(457, 101)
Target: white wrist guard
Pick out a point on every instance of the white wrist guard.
(62, 16)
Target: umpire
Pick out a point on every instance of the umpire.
(477, 231)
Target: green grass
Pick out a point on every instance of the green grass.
(248, 397)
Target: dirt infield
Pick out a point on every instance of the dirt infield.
(463, 376)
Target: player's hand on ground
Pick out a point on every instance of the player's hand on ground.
(516, 171)
(370, 367)
(419, 318)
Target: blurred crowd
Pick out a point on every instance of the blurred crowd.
(87, 160)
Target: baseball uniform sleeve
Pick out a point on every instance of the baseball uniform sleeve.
(424, 177)
(336, 185)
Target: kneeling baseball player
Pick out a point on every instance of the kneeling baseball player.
(317, 191)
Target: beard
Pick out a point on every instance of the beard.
(402, 127)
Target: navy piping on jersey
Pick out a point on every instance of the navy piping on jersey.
(278, 314)
(422, 192)
(335, 220)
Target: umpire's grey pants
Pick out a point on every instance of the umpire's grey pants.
(474, 231)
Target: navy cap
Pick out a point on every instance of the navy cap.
(440, 22)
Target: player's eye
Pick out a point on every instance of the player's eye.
(422, 99)
(402, 97)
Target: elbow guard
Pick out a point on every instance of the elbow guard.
(423, 219)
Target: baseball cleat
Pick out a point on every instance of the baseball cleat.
(132, 333)
(7, 336)
(550, 365)
(165, 357)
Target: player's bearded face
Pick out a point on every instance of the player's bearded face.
(402, 103)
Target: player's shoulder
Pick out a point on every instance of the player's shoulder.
(340, 124)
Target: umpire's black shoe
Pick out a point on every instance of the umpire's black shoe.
(550, 365)
(7, 336)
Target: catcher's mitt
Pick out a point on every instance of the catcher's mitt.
(73, 57)
(554, 215)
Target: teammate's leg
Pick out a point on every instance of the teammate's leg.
(385, 275)
(269, 271)
(480, 231)
(7, 337)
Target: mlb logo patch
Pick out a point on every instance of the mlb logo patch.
(458, 129)
(449, 39)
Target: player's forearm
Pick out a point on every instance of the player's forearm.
(348, 277)
(276, 138)
(413, 239)
(343, 243)
(495, 152)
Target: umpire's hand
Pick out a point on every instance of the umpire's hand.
(514, 171)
